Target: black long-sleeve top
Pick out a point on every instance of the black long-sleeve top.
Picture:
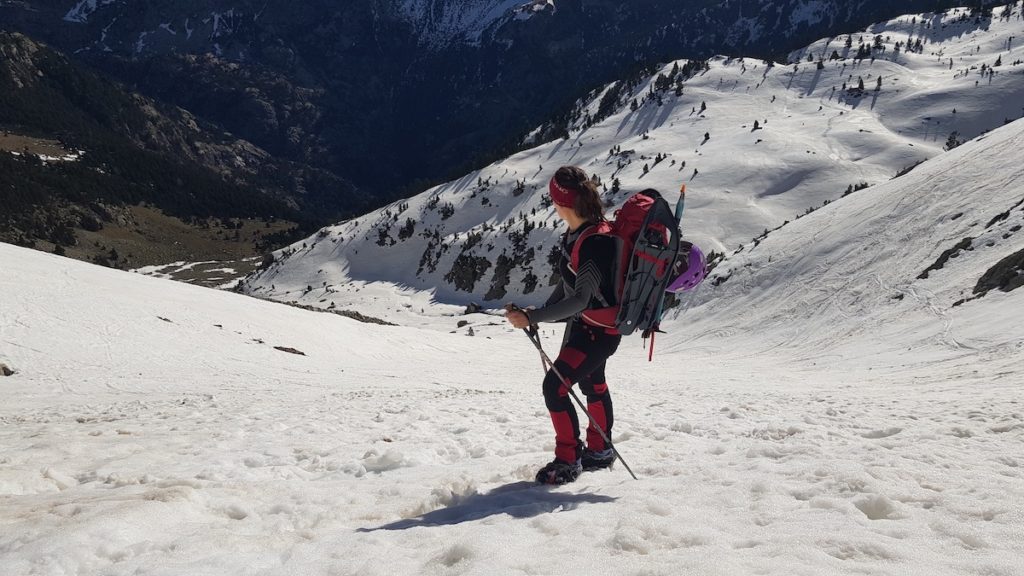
(590, 286)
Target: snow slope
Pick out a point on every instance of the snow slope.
(803, 421)
(813, 141)
(441, 22)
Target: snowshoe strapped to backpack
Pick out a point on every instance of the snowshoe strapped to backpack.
(647, 236)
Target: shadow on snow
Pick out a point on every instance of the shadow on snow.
(518, 499)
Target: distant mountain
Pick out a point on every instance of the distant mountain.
(440, 23)
(759, 145)
(393, 93)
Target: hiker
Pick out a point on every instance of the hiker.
(587, 344)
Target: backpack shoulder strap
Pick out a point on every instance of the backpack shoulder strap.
(574, 258)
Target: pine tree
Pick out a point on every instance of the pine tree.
(953, 141)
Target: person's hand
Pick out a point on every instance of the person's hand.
(517, 317)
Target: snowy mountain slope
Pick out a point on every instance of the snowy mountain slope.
(828, 408)
(802, 421)
(487, 236)
(897, 262)
(441, 22)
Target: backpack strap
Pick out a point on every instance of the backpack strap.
(574, 259)
(574, 254)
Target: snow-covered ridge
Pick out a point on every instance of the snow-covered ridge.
(757, 143)
(440, 22)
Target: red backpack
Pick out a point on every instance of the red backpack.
(647, 238)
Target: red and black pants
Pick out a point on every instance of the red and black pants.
(581, 360)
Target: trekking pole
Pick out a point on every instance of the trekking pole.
(531, 333)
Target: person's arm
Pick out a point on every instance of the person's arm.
(557, 294)
(588, 285)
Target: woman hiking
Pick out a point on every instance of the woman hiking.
(587, 344)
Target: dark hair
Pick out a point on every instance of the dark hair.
(588, 204)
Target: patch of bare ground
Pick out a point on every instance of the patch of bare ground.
(21, 143)
(138, 236)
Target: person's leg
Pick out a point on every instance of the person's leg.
(585, 352)
(599, 404)
(570, 363)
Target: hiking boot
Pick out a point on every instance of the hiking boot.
(559, 472)
(597, 459)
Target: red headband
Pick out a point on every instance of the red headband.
(565, 197)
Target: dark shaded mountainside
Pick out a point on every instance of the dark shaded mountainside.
(79, 155)
(393, 100)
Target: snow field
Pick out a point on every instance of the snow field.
(183, 448)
